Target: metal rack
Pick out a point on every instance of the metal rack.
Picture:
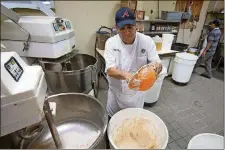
(165, 27)
(166, 58)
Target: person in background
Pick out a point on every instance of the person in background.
(210, 46)
(124, 54)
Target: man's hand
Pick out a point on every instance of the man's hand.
(206, 49)
(203, 54)
(157, 67)
(128, 76)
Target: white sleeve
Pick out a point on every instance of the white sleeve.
(109, 55)
(152, 53)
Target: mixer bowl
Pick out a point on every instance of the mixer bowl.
(78, 74)
(81, 122)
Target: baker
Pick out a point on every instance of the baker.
(124, 54)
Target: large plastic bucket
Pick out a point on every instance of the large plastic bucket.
(152, 94)
(206, 141)
(167, 41)
(128, 113)
(183, 66)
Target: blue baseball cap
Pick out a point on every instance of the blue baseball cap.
(217, 22)
(124, 16)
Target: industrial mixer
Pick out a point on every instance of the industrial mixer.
(31, 42)
(50, 41)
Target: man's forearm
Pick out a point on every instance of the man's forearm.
(207, 46)
(116, 73)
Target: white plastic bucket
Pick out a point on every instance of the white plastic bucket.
(206, 141)
(128, 113)
(183, 66)
(167, 41)
(152, 94)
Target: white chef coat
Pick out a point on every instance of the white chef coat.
(127, 58)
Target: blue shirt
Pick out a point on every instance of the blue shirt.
(213, 38)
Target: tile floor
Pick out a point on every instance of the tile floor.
(187, 110)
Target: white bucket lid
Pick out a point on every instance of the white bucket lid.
(187, 56)
(206, 141)
(167, 37)
(193, 49)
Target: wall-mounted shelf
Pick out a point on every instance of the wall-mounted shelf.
(206, 25)
(161, 27)
(148, 32)
(216, 13)
(159, 21)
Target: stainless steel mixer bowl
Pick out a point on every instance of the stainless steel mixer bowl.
(79, 75)
(75, 112)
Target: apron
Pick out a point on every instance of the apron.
(124, 96)
(203, 46)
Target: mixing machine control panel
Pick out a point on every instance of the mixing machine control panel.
(14, 68)
(61, 25)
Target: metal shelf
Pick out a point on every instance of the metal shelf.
(169, 21)
(217, 13)
(208, 26)
(159, 20)
(142, 20)
(147, 32)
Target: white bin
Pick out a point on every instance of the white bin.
(183, 66)
(129, 113)
(152, 94)
(206, 141)
(167, 41)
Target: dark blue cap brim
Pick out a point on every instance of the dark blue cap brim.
(125, 22)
